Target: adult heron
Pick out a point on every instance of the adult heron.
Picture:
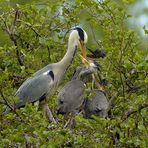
(44, 82)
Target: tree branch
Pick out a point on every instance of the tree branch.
(5, 24)
(6, 102)
(108, 11)
(132, 111)
(14, 21)
(112, 101)
(12, 35)
(30, 26)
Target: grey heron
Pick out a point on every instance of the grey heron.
(72, 95)
(98, 104)
(44, 82)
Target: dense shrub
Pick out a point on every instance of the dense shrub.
(34, 34)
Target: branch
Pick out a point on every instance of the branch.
(132, 111)
(48, 49)
(14, 21)
(112, 101)
(31, 27)
(130, 39)
(94, 36)
(12, 35)
(6, 25)
(108, 11)
(6, 102)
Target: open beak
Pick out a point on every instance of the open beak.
(85, 61)
(83, 48)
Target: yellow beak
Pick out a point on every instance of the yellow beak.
(85, 61)
(83, 48)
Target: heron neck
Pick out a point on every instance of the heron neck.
(68, 58)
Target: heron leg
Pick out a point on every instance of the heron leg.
(71, 122)
(49, 114)
(47, 111)
(65, 121)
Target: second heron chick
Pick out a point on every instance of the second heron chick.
(97, 105)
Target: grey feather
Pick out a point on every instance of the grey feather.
(33, 88)
(97, 105)
(44, 69)
(84, 74)
(71, 96)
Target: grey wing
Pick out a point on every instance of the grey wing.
(46, 68)
(100, 99)
(33, 89)
(72, 96)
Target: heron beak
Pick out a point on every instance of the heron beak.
(85, 61)
(83, 48)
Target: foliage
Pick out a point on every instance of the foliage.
(34, 35)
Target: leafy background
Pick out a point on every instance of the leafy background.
(34, 33)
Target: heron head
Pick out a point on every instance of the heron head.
(80, 35)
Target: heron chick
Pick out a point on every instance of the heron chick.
(72, 96)
(97, 105)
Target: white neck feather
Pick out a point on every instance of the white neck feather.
(73, 43)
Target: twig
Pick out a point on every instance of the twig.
(93, 33)
(6, 102)
(122, 82)
(14, 21)
(112, 101)
(128, 42)
(107, 10)
(6, 25)
(31, 26)
(132, 111)
(48, 49)
(12, 35)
